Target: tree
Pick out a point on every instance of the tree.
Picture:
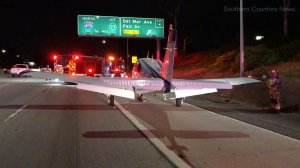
(286, 5)
(179, 12)
(172, 9)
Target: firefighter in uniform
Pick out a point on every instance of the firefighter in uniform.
(274, 85)
(72, 65)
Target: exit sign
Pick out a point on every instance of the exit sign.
(113, 26)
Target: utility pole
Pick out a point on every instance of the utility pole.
(241, 40)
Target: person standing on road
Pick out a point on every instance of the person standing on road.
(274, 85)
(48, 69)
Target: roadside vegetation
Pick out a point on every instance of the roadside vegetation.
(260, 59)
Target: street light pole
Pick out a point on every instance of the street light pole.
(241, 40)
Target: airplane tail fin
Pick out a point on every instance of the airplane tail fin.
(168, 64)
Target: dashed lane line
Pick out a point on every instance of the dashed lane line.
(15, 113)
(22, 108)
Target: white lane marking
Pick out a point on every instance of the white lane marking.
(170, 155)
(48, 89)
(15, 113)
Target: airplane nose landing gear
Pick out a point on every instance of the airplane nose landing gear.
(111, 100)
(141, 98)
(179, 102)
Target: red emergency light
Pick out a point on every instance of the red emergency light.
(90, 72)
(55, 57)
(111, 58)
(75, 57)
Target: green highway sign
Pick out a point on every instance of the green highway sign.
(98, 25)
(112, 26)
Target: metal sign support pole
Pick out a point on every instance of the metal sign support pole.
(157, 49)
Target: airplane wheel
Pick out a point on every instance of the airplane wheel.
(141, 98)
(111, 99)
(179, 102)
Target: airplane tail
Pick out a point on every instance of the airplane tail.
(168, 64)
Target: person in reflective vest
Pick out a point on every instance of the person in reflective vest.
(274, 85)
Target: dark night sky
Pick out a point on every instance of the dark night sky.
(36, 28)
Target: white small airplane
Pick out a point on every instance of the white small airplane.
(151, 76)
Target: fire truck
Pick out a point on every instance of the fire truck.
(113, 67)
(77, 64)
(89, 65)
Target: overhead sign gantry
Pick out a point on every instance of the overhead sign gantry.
(113, 26)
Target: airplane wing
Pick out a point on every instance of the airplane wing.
(50, 75)
(233, 81)
(134, 88)
(127, 88)
(186, 88)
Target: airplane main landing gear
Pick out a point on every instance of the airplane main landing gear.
(111, 100)
(179, 102)
(141, 98)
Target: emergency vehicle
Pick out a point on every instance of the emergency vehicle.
(113, 67)
(89, 65)
(77, 64)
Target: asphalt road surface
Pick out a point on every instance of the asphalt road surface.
(51, 125)
(283, 123)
